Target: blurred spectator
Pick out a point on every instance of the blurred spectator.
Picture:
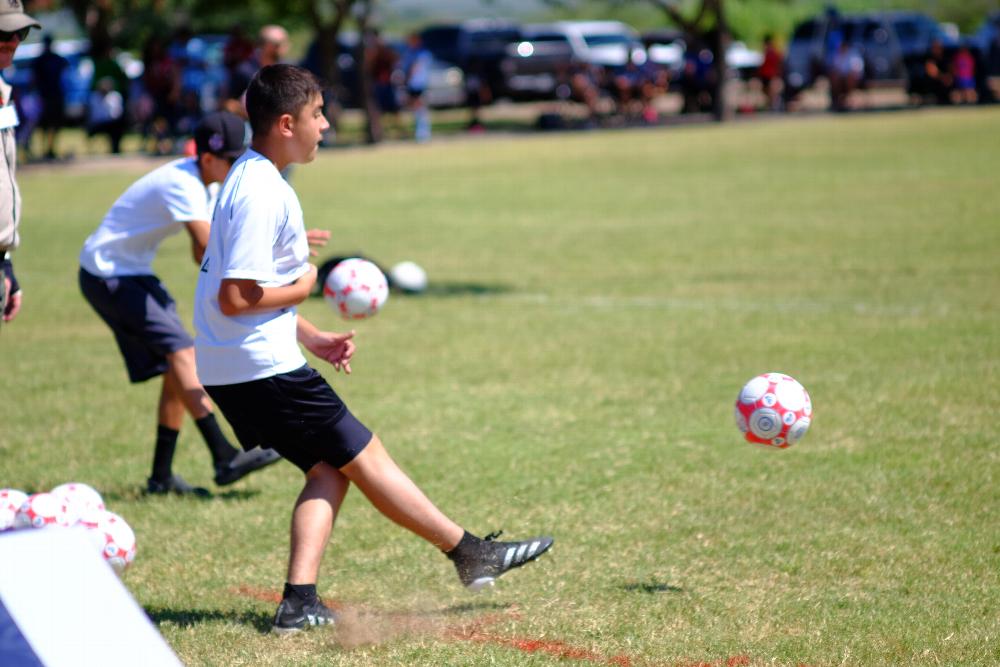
(935, 79)
(697, 77)
(28, 104)
(845, 73)
(769, 73)
(963, 67)
(833, 39)
(238, 49)
(48, 68)
(636, 85)
(272, 48)
(416, 68)
(161, 79)
(106, 113)
(105, 66)
(477, 90)
(382, 60)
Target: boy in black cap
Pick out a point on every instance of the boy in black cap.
(117, 280)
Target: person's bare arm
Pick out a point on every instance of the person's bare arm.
(241, 297)
(198, 230)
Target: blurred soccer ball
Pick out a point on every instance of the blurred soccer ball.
(80, 496)
(356, 289)
(773, 409)
(111, 536)
(10, 501)
(409, 277)
(42, 510)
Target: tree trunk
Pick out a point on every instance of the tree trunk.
(720, 106)
(366, 92)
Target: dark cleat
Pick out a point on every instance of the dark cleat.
(480, 566)
(293, 616)
(174, 484)
(245, 463)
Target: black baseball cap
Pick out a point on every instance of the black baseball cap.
(221, 133)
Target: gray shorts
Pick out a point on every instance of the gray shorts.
(143, 317)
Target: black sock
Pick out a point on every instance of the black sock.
(467, 546)
(163, 455)
(300, 592)
(222, 451)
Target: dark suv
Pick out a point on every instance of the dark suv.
(477, 46)
(873, 36)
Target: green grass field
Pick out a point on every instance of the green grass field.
(597, 301)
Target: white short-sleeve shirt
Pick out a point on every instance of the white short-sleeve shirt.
(257, 234)
(153, 208)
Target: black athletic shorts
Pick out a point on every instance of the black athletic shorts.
(297, 413)
(143, 317)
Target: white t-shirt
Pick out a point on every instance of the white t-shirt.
(153, 208)
(257, 234)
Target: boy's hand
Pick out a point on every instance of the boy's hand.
(317, 238)
(335, 348)
(13, 305)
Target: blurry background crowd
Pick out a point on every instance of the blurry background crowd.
(116, 72)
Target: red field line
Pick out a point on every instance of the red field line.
(476, 631)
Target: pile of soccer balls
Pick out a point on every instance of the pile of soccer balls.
(68, 505)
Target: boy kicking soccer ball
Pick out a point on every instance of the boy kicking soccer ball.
(117, 279)
(255, 271)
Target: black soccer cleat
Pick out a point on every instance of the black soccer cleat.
(481, 562)
(243, 464)
(294, 615)
(174, 484)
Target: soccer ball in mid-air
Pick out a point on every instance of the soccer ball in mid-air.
(356, 289)
(10, 501)
(773, 409)
(408, 277)
(80, 496)
(42, 510)
(111, 536)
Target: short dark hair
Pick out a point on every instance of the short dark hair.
(276, 90)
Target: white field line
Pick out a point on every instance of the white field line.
(733, 305)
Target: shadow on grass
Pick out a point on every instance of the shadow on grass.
(187, 618)
(651, 587)
(449, 289)
(136, 493)
(452, 289)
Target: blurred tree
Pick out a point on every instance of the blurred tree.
(702, 22)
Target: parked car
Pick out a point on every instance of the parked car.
(477, 46)
(540, 65)
(986, 41)
(536, 66)
(667, 48)
(602, 43)
(446, 87)
(873, 36)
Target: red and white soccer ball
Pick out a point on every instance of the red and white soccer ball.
(44, 510)
(10, 501)
(80, 496)
(111, 536)
(773, 409)
(356, 289)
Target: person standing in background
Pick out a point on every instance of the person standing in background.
(14, 28)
